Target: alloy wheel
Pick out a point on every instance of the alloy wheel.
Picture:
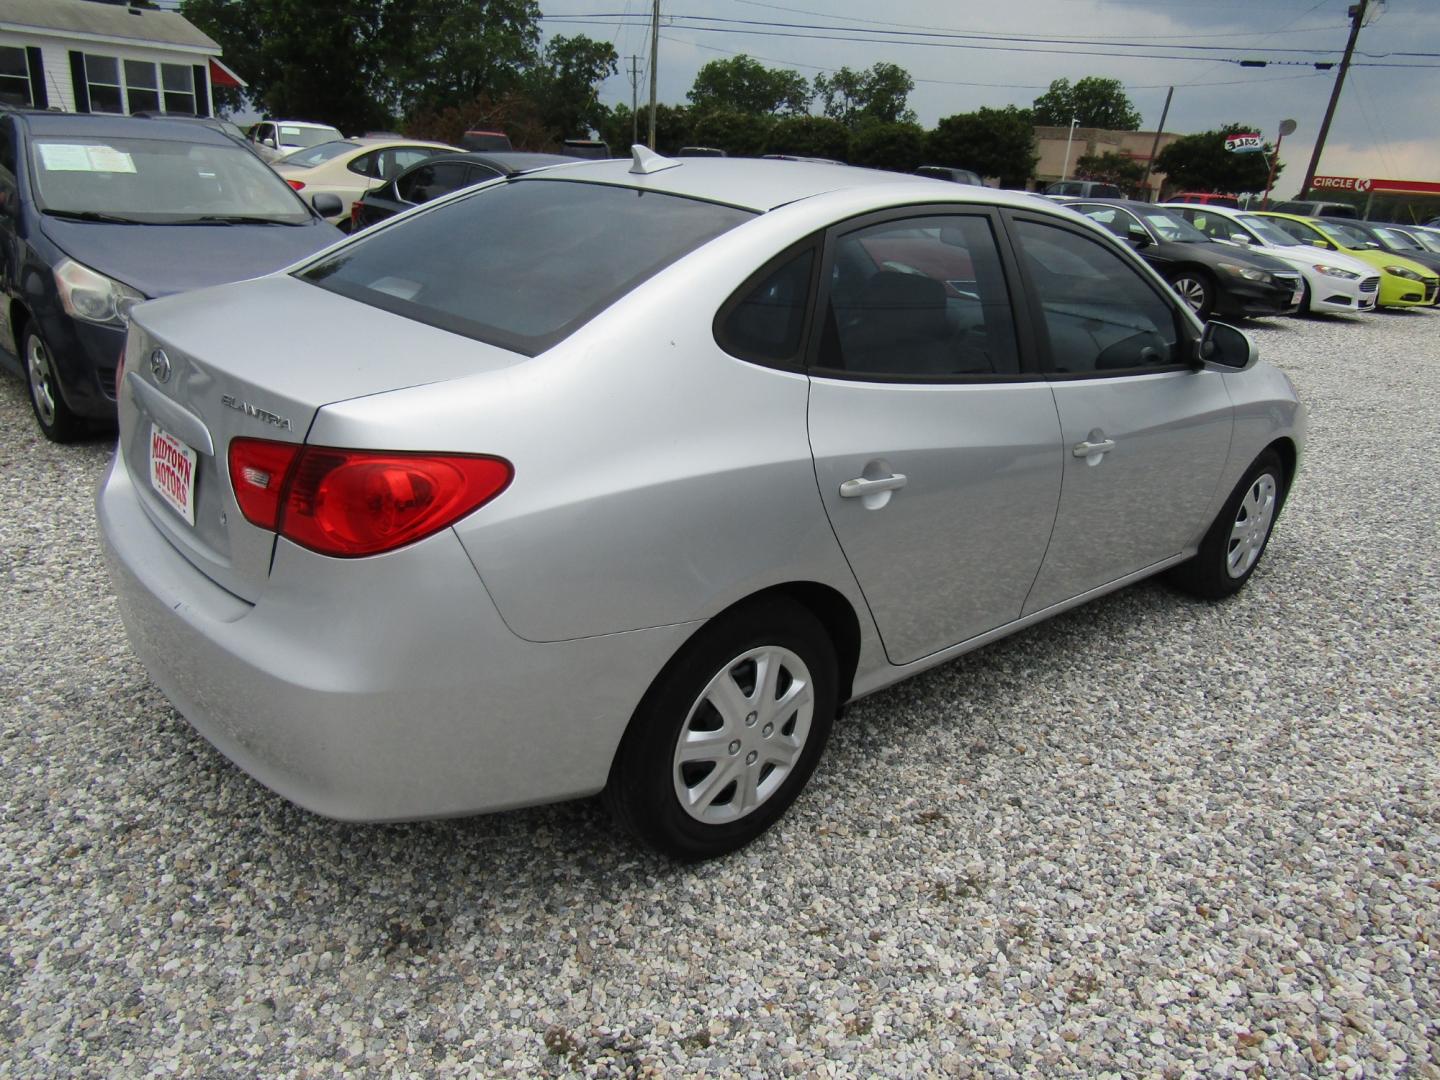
(1192, 292)
(42, 379)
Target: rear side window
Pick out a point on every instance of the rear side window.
(766, 322)
(522, 265)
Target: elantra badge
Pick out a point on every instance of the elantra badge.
(259, 414)
(160, 366)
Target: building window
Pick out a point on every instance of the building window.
(141, 91)
(179, 88)
(102, 74)
(14, 76)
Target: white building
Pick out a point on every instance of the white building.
(92, 56)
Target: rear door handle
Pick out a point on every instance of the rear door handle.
(1085, 449)
(853, 489)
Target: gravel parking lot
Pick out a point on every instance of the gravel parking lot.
(1151, 837)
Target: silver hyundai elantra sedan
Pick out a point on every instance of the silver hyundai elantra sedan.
(622, 476)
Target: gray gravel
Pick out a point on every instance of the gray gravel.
(1151, 837)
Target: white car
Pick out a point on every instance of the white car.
(1334, 282)
(273, 139)
(351, 167)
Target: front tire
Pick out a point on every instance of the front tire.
(57, 422)
(729, 734)
(1232, 548)
(1196, 289)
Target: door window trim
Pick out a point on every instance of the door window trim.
(1025, 340)
(1185, 336)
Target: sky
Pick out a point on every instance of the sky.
(1387, 124)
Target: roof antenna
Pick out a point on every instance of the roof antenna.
(646, 161)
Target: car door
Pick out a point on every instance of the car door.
(936, 443)
(9, 215)
(1145, 432)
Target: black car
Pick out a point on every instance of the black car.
(1212, 278)
(439, 176)
(98, 213)
(955, 176)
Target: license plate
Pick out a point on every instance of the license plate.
(172, 472)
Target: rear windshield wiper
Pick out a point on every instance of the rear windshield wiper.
(92, 215)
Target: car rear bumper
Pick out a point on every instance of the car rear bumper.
(375, 689)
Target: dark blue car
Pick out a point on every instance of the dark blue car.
(98, 213)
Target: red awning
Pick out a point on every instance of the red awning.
(220, 75)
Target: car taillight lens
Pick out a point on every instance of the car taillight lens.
(350, 503)
(355, 215)
(298, 185)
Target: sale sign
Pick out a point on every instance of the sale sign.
(1244, 142)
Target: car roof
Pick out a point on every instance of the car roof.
(92, 125)
(1127, 204)
(763, 184)
(507, 161)
(297, 123)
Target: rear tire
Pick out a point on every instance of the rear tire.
(728, 734)
(1235, 542)
(57, 422)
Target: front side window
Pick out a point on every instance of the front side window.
(522, 265)
(1118, 222)
(158, 181)
(1100, 315)
(919, 298)
(14, 77)
(102, 75)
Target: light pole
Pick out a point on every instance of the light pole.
(1065, 169)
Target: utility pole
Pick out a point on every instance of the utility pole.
(1357, 19)
(634, 98)
(1155, 146)
(654, 66)
(1065, 169)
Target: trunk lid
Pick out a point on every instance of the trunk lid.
(259, 359)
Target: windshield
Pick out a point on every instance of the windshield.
(1344, 235)
(1269, 232)
(158, 181)
(1399, 240)
(295, 135)
(318, 155)
(1170, 227)
(523, 264)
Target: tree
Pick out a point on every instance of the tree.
(881, 93)
(897, 147)
(361, 63)
(992, 142)
(565, 84)
(738, 134)
(1095, 102)
(1124, 172)
(810, 136)
(748, 86)
(672, 128)
(1201, 163)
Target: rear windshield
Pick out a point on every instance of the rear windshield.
(524, 264)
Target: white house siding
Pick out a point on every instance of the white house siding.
(55, 54)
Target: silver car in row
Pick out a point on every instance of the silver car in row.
(624, 476)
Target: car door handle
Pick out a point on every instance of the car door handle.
(853, 489)
(1085, 449)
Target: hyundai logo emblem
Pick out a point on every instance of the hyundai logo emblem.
(160, 365)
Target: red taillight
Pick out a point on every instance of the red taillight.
(350, 503)
(354, 215)
(258, 468)
(298, 185)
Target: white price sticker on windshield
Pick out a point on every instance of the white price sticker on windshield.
(69, 157)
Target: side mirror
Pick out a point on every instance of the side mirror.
(1226, 347)
(269, 141)
(1239, 238)
(1323, 244)
(1137, 236)
(327, 204)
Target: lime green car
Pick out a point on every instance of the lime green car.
(1403, 282)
